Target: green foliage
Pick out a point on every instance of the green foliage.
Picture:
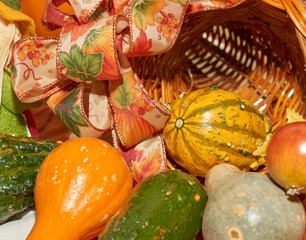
(69, 113)
(80, 65)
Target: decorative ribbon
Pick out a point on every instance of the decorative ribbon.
(93, 53)
(10, 32)
(86, 75)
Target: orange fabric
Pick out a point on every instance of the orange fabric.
(95, 45)
(26, 24)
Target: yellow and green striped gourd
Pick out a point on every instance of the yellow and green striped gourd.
(211, 126)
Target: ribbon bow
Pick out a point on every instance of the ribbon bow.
(87, 78)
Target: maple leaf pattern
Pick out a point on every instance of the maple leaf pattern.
(130, 104)
(76, 29)
(142, 166)
(131, 127)
(143, 12)
(130, 155)
(100, 40)
(122, 91)
(80, 65)
(146, 167)
(98, 14)
(69, 113)
(142, 45)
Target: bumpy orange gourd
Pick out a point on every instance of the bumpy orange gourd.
(79, 186)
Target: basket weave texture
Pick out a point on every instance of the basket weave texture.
(254, 50)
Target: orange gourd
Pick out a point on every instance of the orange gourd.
(79, 186)
(35, 9)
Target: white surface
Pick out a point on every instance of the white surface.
(18, 229)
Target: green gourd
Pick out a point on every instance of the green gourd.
(20, 159)
(168, 205)
(249, 205)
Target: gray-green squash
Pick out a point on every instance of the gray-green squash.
(249, 206)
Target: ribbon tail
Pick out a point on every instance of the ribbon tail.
(84, 9)
(34, 75)
(52, 17)
(144, 159)
(202, 6)
(136, 114)
(68, 106)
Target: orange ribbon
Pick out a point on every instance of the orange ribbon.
(92, 53)
(87, 79)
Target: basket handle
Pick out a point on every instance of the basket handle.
(296, 9)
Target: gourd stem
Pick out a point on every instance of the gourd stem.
(293, 191)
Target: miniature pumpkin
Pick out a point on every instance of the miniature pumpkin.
(79, 186)
(35, 9)
(249, 205)
(211, 126)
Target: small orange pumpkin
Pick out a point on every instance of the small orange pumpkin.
(35, 9)
(79, 186)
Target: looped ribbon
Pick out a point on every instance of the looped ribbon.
(86, 74)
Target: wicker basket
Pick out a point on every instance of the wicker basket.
(255, 50)
(252, 50)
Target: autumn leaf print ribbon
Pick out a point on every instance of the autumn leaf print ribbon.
(87, 79)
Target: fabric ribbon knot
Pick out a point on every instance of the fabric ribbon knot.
(87, 79)
(85, 75)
